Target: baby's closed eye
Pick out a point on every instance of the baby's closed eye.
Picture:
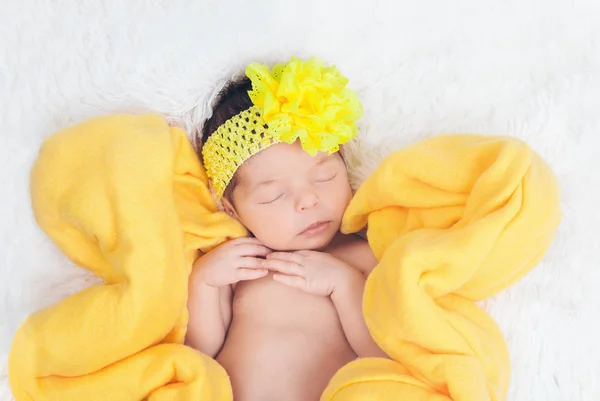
(267, 199)
(325, 177)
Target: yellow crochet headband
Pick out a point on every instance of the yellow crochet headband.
(299, 100)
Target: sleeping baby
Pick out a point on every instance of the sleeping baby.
(281, 310)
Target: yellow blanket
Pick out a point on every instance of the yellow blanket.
(453, 219)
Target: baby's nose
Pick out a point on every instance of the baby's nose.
(308, 200)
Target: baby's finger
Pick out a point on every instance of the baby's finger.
(283, 266)
(306, 252)
(286, 256)
(245, 240)
(249, 262)
(291, 281)
(252, 250)
(250, 274)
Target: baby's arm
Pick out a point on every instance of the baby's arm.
(347, 299)
(210, 315)
(210, 290)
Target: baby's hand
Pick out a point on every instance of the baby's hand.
(233, 261)
(317, 273)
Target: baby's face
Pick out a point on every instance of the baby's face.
(289, 199)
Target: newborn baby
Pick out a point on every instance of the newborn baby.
(281, 311)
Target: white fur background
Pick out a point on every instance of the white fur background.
(529, 68)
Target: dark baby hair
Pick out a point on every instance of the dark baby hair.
(232, 100)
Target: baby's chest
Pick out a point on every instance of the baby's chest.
(266, 300)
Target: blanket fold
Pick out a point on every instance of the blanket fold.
(452, 219)
(126, 198)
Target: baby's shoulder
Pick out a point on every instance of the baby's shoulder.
(355, 251)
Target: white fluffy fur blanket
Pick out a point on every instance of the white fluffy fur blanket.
(529, 68)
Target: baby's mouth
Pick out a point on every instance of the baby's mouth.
(315, 229)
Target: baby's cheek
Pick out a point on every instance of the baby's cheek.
(342, 204)
(273, 234)
(270, 226)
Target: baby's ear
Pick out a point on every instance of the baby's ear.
(229, 209)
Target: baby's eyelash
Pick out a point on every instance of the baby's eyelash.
(328, 179)
(271, 201)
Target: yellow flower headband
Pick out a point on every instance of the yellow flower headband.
(299, 100)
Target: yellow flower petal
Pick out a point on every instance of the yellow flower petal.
(271, 106)
(307, 101)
